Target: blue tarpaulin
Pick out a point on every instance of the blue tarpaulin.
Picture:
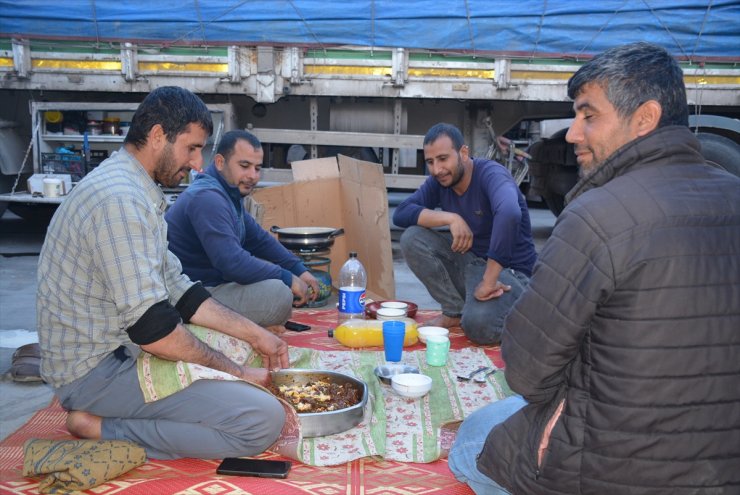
(527, 28)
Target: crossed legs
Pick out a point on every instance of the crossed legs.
(210, 419)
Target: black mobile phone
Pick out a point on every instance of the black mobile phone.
(262, 468)
(296, 327)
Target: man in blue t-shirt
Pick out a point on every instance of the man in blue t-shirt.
(478, 264)
(220, 244)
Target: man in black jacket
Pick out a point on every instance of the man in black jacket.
(625, 347)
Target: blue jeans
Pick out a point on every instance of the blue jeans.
(451, 279)
(469, 443)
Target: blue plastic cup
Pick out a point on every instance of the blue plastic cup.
(394, 333)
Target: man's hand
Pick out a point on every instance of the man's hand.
(462, 236)
(259, 376)
(489, 286)
(273, 349)
(485, 292)
(313, 284)
(300, 289)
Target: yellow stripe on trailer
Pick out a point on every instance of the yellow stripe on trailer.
(355, 70)
(183, 67)
(445, 72)
(718, 80)
(540, 75)
(77, 65)
(347, 70)
(688, 79)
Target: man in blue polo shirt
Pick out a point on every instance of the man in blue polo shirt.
(478, 266)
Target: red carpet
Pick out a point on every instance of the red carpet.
(194, 476)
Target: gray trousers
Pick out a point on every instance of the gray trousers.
(267, 303)
(210, 419)
(451, 279)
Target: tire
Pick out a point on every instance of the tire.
(365, 154)
(553, 170)
(720, 152)
(555, 203)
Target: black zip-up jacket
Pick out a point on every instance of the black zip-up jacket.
(632, 316)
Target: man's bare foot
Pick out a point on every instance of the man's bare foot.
(444, 321)
(84, 425)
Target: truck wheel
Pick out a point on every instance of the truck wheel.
(358, 153)
(555, 202)
(720, 152)
(553, 170)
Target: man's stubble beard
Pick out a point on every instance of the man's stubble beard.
(166, 170)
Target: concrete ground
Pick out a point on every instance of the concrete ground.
(20, 244)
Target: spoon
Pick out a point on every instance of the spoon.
(482, 378)
(464, 378)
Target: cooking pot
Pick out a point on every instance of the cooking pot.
(329, 422)
(306, 238)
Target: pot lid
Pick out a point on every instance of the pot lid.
(305, 230)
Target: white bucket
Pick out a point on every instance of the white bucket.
(53, 188)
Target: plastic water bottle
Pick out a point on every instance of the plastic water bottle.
(352, 284)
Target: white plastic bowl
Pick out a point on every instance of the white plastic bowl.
(425, 332)
(411, 385)
(386, 371)
(390, 314)
(395, 305)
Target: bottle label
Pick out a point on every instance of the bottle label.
(351, 300)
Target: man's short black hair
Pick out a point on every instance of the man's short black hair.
(443, 129)
(228, 142)
(171, 107)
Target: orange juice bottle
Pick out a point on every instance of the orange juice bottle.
(369, 333)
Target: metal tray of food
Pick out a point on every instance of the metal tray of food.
(329, 422)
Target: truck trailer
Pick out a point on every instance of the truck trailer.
(361, 78)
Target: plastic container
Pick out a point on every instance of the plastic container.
(395, 305)
(111, 125)
(94, 128)
(352, 284)
(411, 385)
(389, 314)
(369, 333)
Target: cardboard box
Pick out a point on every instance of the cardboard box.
(343, 193)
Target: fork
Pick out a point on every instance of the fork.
(482, 378)
(467, 378)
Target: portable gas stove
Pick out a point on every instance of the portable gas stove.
(312, 245)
